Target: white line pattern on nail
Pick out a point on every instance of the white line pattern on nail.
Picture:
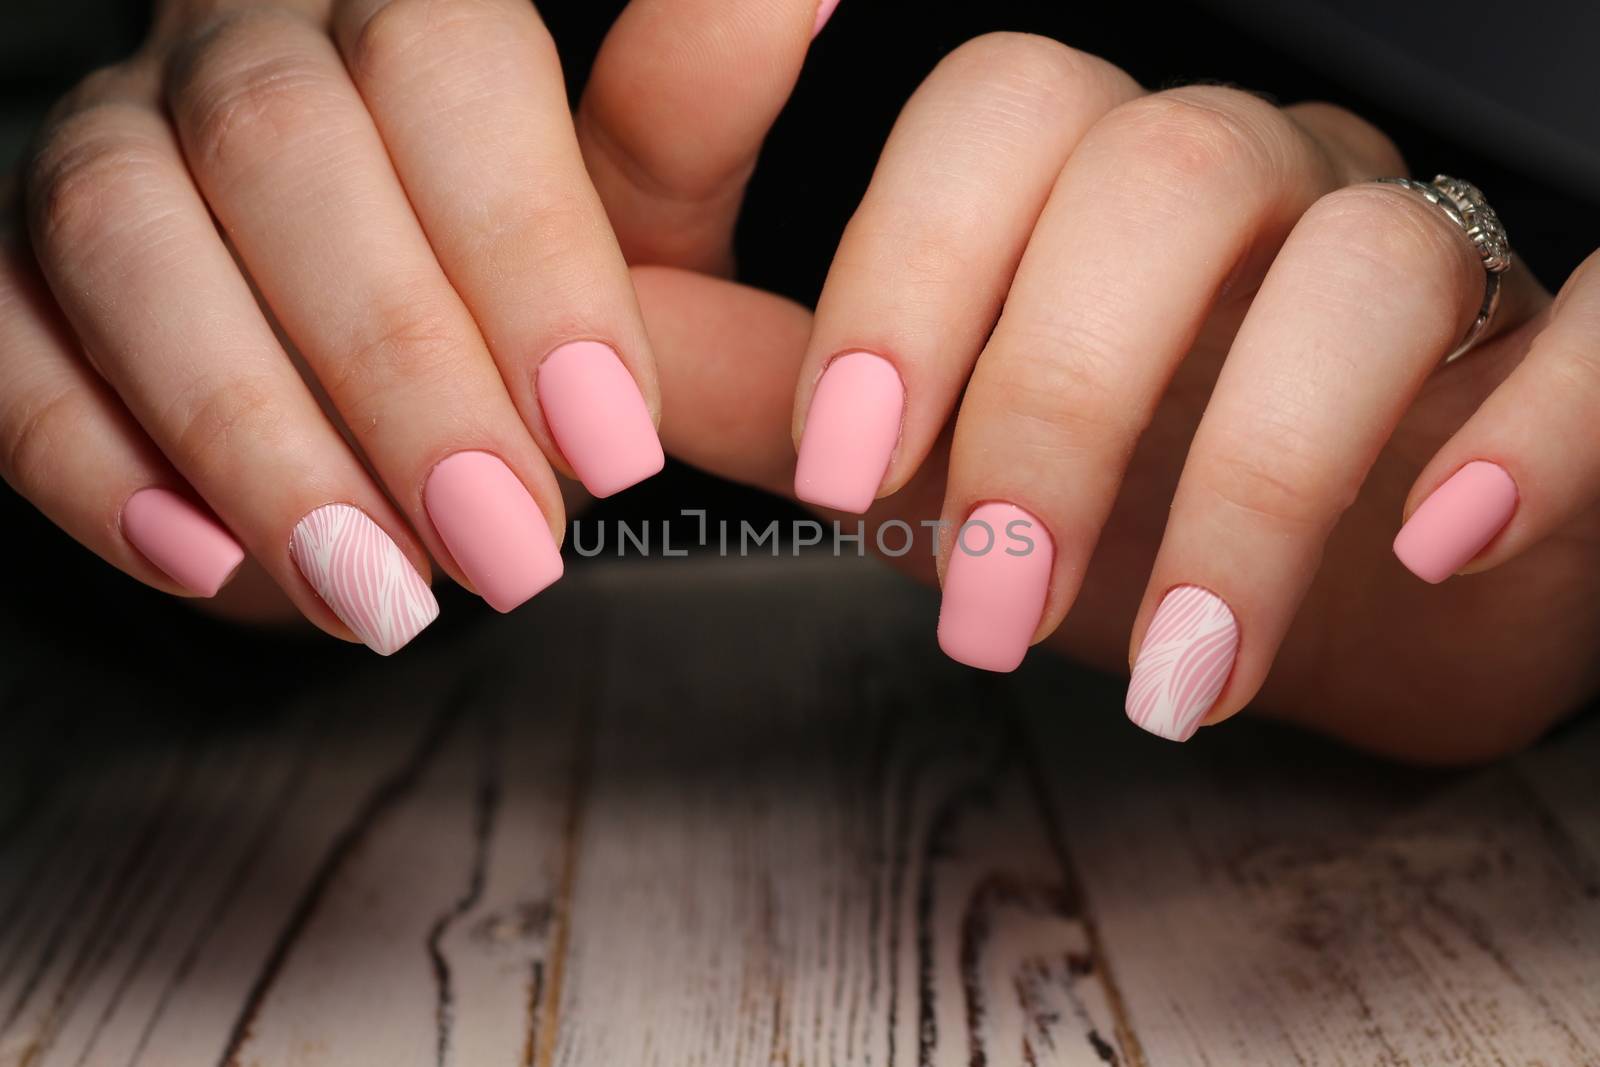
(363, 576)
(1186, 657)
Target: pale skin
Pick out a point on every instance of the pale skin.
(1225, 373)
(402, 183)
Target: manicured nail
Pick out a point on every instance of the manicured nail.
(363, 576)
(850, 434)
(181, 538)
(492, 527)
(598, 417)
(994, 588)
(1456, 521)
(1185, 659)
(824, 13)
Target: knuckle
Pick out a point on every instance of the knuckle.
(512, 238)
(1353, 146)
(933, 255)
(212, 421)
(1029, 76)
(1276, 482)
(417, 342)
(243, 83)
(1199, 141)
(1567, 348)
(1378, 250)
(921, 253)
(403, 34)
(1387, 231)
(1576, 372)
(1579, 297)
(1061, 386)
(37, 431)
(1002, 91)
(1027, 57)
(1053, 425)
(89, 169)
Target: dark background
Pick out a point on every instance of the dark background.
(1501, 94)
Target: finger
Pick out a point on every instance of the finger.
(74, 452)
(925, 263)
(1527, 462)
(1373, 288)
(727, 356)
(153, 294)
(1170, 201)
(469, 100)
(681, 96)
(288, 158)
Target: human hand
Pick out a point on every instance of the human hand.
(415, 312)
(1184, 339)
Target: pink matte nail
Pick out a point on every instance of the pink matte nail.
(850, 434)
(1456, 521)
(598, 417)
(994, 588)
(1185, 660)
(492, 527)
(363, 576)
(181, 538)
(824, 13)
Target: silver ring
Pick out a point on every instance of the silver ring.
(1466, 206)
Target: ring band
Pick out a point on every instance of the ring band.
(1466, 206)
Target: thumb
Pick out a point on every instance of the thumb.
(728, 356)
(681, 96)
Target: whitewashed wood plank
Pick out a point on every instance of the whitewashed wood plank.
(147, 974)
(744, 813)
(357, 773)
(824, 850)
(1564, 774)
(133, 913)
(1269, 899)
(79, 898)
(191, 999)
(433, 942)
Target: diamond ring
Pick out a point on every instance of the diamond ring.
(1466, 206)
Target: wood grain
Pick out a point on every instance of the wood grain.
(745, 814)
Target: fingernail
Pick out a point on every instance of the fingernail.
(994, 588)
(1186, 657)
(492, 527)
(598, 417)
(363, 576)
(824, 13)
(1456, 521)
(850, 434)
(181, 538)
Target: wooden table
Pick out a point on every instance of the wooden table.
(705, 813)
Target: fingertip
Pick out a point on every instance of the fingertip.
(1185, 662)
(1457, 521)
(824, 12)
(182, 538)
(852, 427)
